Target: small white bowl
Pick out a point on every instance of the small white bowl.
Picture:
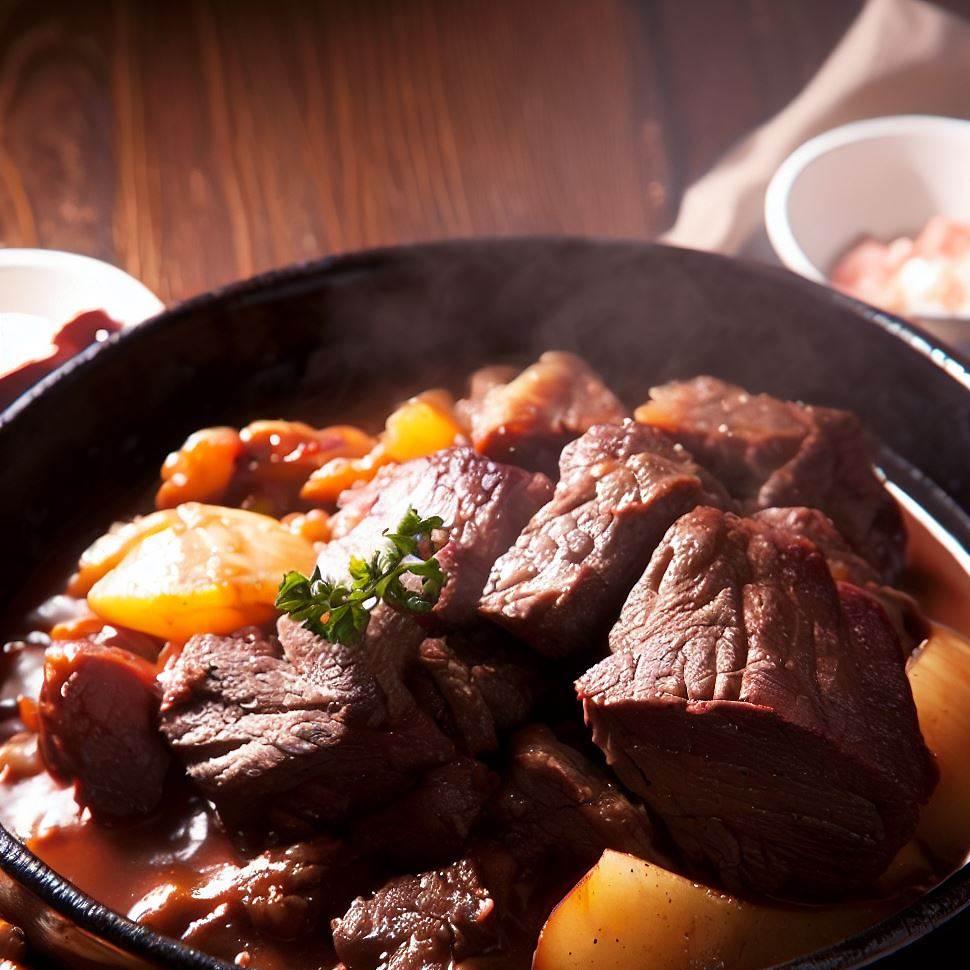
(57, 286)
(884, 177)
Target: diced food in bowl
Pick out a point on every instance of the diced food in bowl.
(518, 681)
(925, 275)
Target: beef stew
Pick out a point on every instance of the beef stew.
(415, 788)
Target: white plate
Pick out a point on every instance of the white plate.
(58, 286)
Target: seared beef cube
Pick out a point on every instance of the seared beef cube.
(372, 672)
(479, 384)
(556, 805)
(761, 711)
(529, 419)
(484, 506)
(99, 728)
(771, 453)
(476, 687)
(814, 525)
(424, 922)
(561, 586)
(911, 625)
(318, 734)
(430, 824)
(284, 893)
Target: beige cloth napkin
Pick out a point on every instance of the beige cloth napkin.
(898, 57)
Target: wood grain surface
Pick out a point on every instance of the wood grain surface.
(196, 143)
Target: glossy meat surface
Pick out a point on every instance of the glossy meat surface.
(772, 453)
(527, 419)
(484, 506)
(558, 807)
(309, 729)
(476, 685)
(761, 711)
(98, 728)
(428, 921)
(621, 486)
(845, 564)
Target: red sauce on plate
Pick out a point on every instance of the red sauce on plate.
(85, 329)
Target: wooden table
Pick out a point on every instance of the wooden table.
(196, 143)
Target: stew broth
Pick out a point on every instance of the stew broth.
(256, 882)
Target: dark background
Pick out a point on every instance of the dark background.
(196, 143)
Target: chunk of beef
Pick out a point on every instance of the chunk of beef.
(98, 727)
(479, 384)
(552, 818)
(911, 625)
(761, 711)
(484, 506)
(561, 586)
(309, 730)
(556, 805)
(814, 525)
(425, 922)
(772, 453)
(430, 824)
(284, 893)
(527, 420)
(549, 820)
(476, 687)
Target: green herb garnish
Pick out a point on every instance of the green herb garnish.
(340, 612)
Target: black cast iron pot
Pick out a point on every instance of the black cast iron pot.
(350, 336)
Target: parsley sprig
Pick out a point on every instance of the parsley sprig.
(340, 612)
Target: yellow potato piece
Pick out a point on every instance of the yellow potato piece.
(420, 426)
(940, 678)
(106, 552)
(627, 914)
(207, 569)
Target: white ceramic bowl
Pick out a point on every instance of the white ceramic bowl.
(58, 286)
(883, 177)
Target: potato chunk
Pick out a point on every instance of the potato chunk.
(628, 914)
(107, 551)
(940, 678)
(420, 426)
(192, 569)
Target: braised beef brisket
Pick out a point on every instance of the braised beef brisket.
(484, 506)
(552, 818)
(429, 921)
(843, 562)
(761, 710)
(911, 625)
(772, 453)
(526, 420)
(430, 824)
(476, 686)
(299, 725)
(98, 717)
(557, 806)
(562, 584)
